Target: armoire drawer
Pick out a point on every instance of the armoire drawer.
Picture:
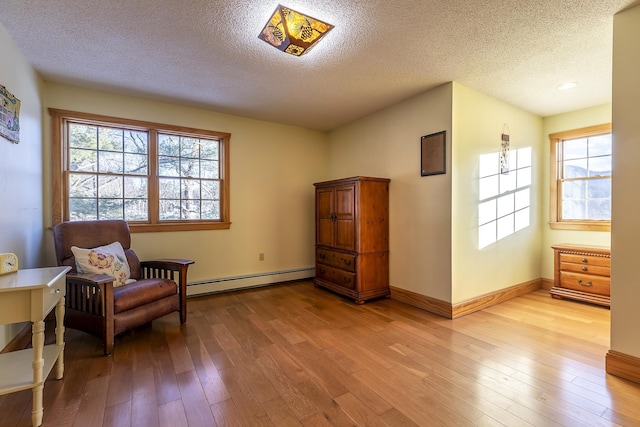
(336, 259)
(335, 275)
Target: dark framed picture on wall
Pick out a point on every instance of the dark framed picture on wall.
(433, 150)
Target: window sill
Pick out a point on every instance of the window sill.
(177, 226)
(581, 225)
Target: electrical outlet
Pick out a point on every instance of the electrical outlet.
(260, 257)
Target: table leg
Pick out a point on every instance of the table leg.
(60, 338)
(38, 364)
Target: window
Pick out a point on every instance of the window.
(156, 177)
(581, 179)
(504, 198)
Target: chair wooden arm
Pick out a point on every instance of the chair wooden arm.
(166, 269)
(88, 293)
(90, 278)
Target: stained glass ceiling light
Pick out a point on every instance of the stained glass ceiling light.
(292, 32)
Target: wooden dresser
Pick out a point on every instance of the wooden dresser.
(582, 273)
(352, 237)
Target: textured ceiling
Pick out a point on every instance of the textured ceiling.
(207, 54)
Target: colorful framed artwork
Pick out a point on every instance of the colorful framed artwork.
(9, 116)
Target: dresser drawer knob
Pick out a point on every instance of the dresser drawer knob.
(322, 256)
(589, 283)
(585, 260)
(346, 261)
(584, 268)
(58, 291)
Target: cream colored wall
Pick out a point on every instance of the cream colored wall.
(593, 116)
(478, 122)
(273, 168)
(21, 167)
(387, 144)
(625, 228)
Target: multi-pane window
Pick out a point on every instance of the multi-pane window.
(107, 173)
(156, 177)
(188, 171)
(581, 170)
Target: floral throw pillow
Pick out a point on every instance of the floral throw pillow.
(109, 259)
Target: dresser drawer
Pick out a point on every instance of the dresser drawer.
(337, 276)
(53, 293)
(585, 259)
(585, 282)
(598, 270)
(336, 259)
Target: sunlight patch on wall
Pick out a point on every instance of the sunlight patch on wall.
(504, 199)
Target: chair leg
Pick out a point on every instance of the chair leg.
(108, 325)
(108, 346)
(182, 291)
(108, 338)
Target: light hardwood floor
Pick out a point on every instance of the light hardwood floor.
(291, 355)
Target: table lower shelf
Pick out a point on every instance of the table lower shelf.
(16, 368)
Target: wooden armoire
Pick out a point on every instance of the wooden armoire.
(352, 237)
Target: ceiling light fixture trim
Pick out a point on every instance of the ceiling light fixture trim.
(293, 32)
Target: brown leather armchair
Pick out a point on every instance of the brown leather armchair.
(95, 306)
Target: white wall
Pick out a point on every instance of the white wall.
(387, 144)
(625, 227)
(478, 123)
(433, 225)
(21, 167)
(273, 168)
(593, 116)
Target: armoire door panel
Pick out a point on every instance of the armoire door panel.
(325, 234)
(345, 217)
(325, 227)
(345, 202)
(345, 235)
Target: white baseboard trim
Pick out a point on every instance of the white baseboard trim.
(223, 284)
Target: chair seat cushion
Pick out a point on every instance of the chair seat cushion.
(142, 292)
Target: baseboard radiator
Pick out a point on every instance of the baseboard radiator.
(224, 284)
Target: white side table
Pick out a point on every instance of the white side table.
(29, 295)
